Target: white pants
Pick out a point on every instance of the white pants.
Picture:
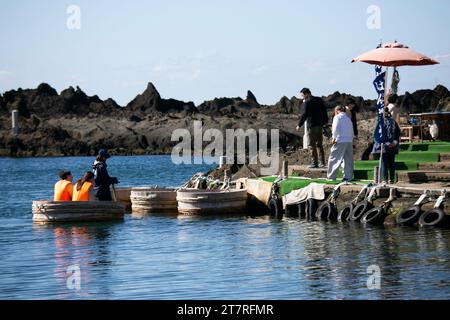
(341, 152)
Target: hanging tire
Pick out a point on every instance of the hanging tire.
(291, 211)
(434, 218)
(326, 212)
(360, 209)
(344, 214)
(409, 216)
(311, 209)
(302, 210)
(275, 208)
(374, 216)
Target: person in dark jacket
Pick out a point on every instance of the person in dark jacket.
(390, 147)
(315, 112)
(102, 179)
(350, 109)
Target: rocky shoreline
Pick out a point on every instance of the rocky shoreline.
(74, 124)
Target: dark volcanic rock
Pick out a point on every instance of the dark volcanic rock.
(251, 99)
(230, 106)
(45, 89)
(73, 123)
(217, 104)
(45, 102)
(426, 100)
(146, 101)
(151, 101)
(338, 98)
(287, 105)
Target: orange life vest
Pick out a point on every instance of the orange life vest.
(83, 193)
(63, 191)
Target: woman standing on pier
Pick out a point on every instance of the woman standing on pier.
(391, 149)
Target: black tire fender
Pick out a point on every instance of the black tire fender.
(374, 216)
(360, 209)
(311, 208)
(275, 208)
(302, 210)
(291, 211)
(434, 218)
(344, 214)
(326, 212)
(409, 216)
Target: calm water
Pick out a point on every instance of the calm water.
(160, 257)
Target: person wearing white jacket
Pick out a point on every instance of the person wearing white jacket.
(342, 149)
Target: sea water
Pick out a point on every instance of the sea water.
(169, 257)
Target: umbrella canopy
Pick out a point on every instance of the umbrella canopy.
(395, 55)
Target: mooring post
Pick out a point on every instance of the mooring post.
(305, 136)
(285, 170)
(392, 193)
(15, 122)
(222, 161)
(376, 174)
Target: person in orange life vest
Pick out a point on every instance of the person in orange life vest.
(84, 188)
(64, 188)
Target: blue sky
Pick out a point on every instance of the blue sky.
(197, 50)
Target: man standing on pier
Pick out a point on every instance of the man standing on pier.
(315, 111)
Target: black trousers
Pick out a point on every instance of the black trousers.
(104, 197)
(388, 167)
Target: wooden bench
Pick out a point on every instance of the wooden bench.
(406, 133)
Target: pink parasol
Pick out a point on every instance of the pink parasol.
(395, 55)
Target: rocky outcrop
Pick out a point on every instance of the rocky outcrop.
(150, 101)
(230, 106)
(251, 99)
(73, 123)
(287, 105)
(426, 100)
(44, 102)
(338, 98)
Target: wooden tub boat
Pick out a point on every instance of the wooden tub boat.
(77, 211)
(211, 202)
(148, 200)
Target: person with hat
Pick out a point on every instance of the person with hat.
(64, 187)
(102, 180)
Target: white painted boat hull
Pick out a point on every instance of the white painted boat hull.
(151, 200)
(211, 202)
(76, 211)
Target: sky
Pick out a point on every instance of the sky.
(197, 50)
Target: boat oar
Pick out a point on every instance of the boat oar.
(114, 193)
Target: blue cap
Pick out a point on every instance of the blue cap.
(104, 153)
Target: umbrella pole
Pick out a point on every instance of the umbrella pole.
(380, 165)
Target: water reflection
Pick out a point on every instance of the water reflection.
(86, 246)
